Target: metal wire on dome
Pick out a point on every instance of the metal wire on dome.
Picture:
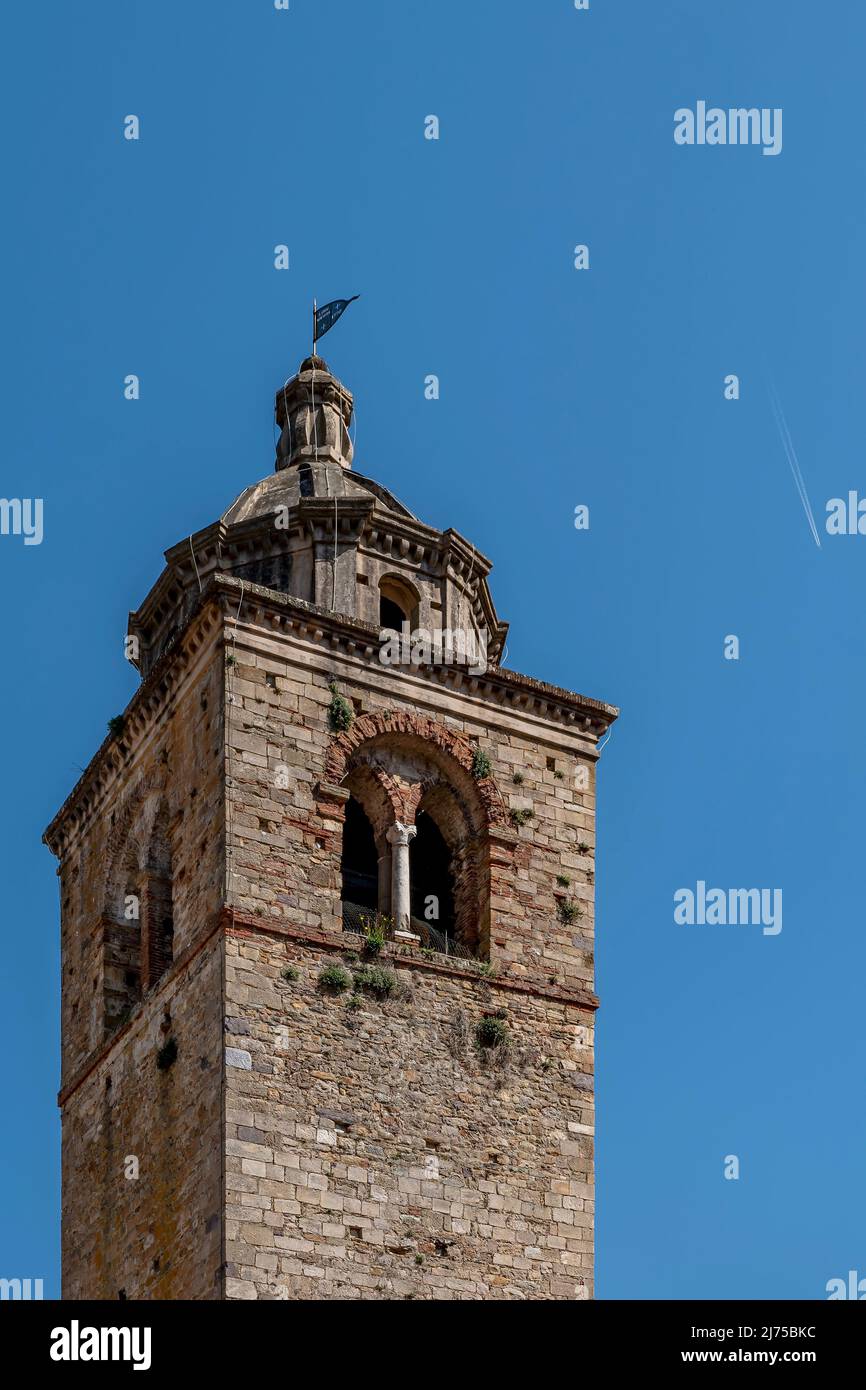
(192, 553)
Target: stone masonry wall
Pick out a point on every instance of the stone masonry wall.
(375, 1150)
(158, 1235)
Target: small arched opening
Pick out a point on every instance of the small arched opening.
(138, 923)
(432, 880)
(122, 947)
(359, 867)
(398, 604)
(457, 858)
(158, 912)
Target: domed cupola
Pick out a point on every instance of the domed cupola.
(318, 531)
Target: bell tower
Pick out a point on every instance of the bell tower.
(327, 919)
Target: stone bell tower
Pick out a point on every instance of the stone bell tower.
(327, 920)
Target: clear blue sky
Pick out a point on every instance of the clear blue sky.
(558, 387)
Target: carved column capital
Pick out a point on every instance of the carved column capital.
(400, 834)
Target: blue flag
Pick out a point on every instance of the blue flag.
(327, 316)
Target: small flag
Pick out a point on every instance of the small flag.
(325, 318)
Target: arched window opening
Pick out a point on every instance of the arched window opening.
(359, 867)
(391, 615)
(416, 829)
(160, 927)
(157, 907)
(138, 922)
(432, 891)
(398, 604)
(122, 954)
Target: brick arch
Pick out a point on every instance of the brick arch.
(452, 751)
(131, 830)
(370, 792)
(397, 762)
(137, 950)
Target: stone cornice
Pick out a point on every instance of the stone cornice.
(118, 751)
(280, 612)
(219, 548)
(516, 691)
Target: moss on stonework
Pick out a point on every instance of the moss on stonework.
(492, 1032)
(482, 967)
(375, 979)
(480, 764)
(335, 978)
(340, 712)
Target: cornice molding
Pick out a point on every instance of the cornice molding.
(281, 613)
(118, 752)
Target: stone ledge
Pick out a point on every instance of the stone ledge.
(246, 925)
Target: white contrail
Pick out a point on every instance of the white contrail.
(793, 463)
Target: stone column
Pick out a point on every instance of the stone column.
(399, 838)
(384, 883)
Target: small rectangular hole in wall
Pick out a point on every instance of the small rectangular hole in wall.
(551, 764)
(271, 680)
(357, 705)
(362, 579)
